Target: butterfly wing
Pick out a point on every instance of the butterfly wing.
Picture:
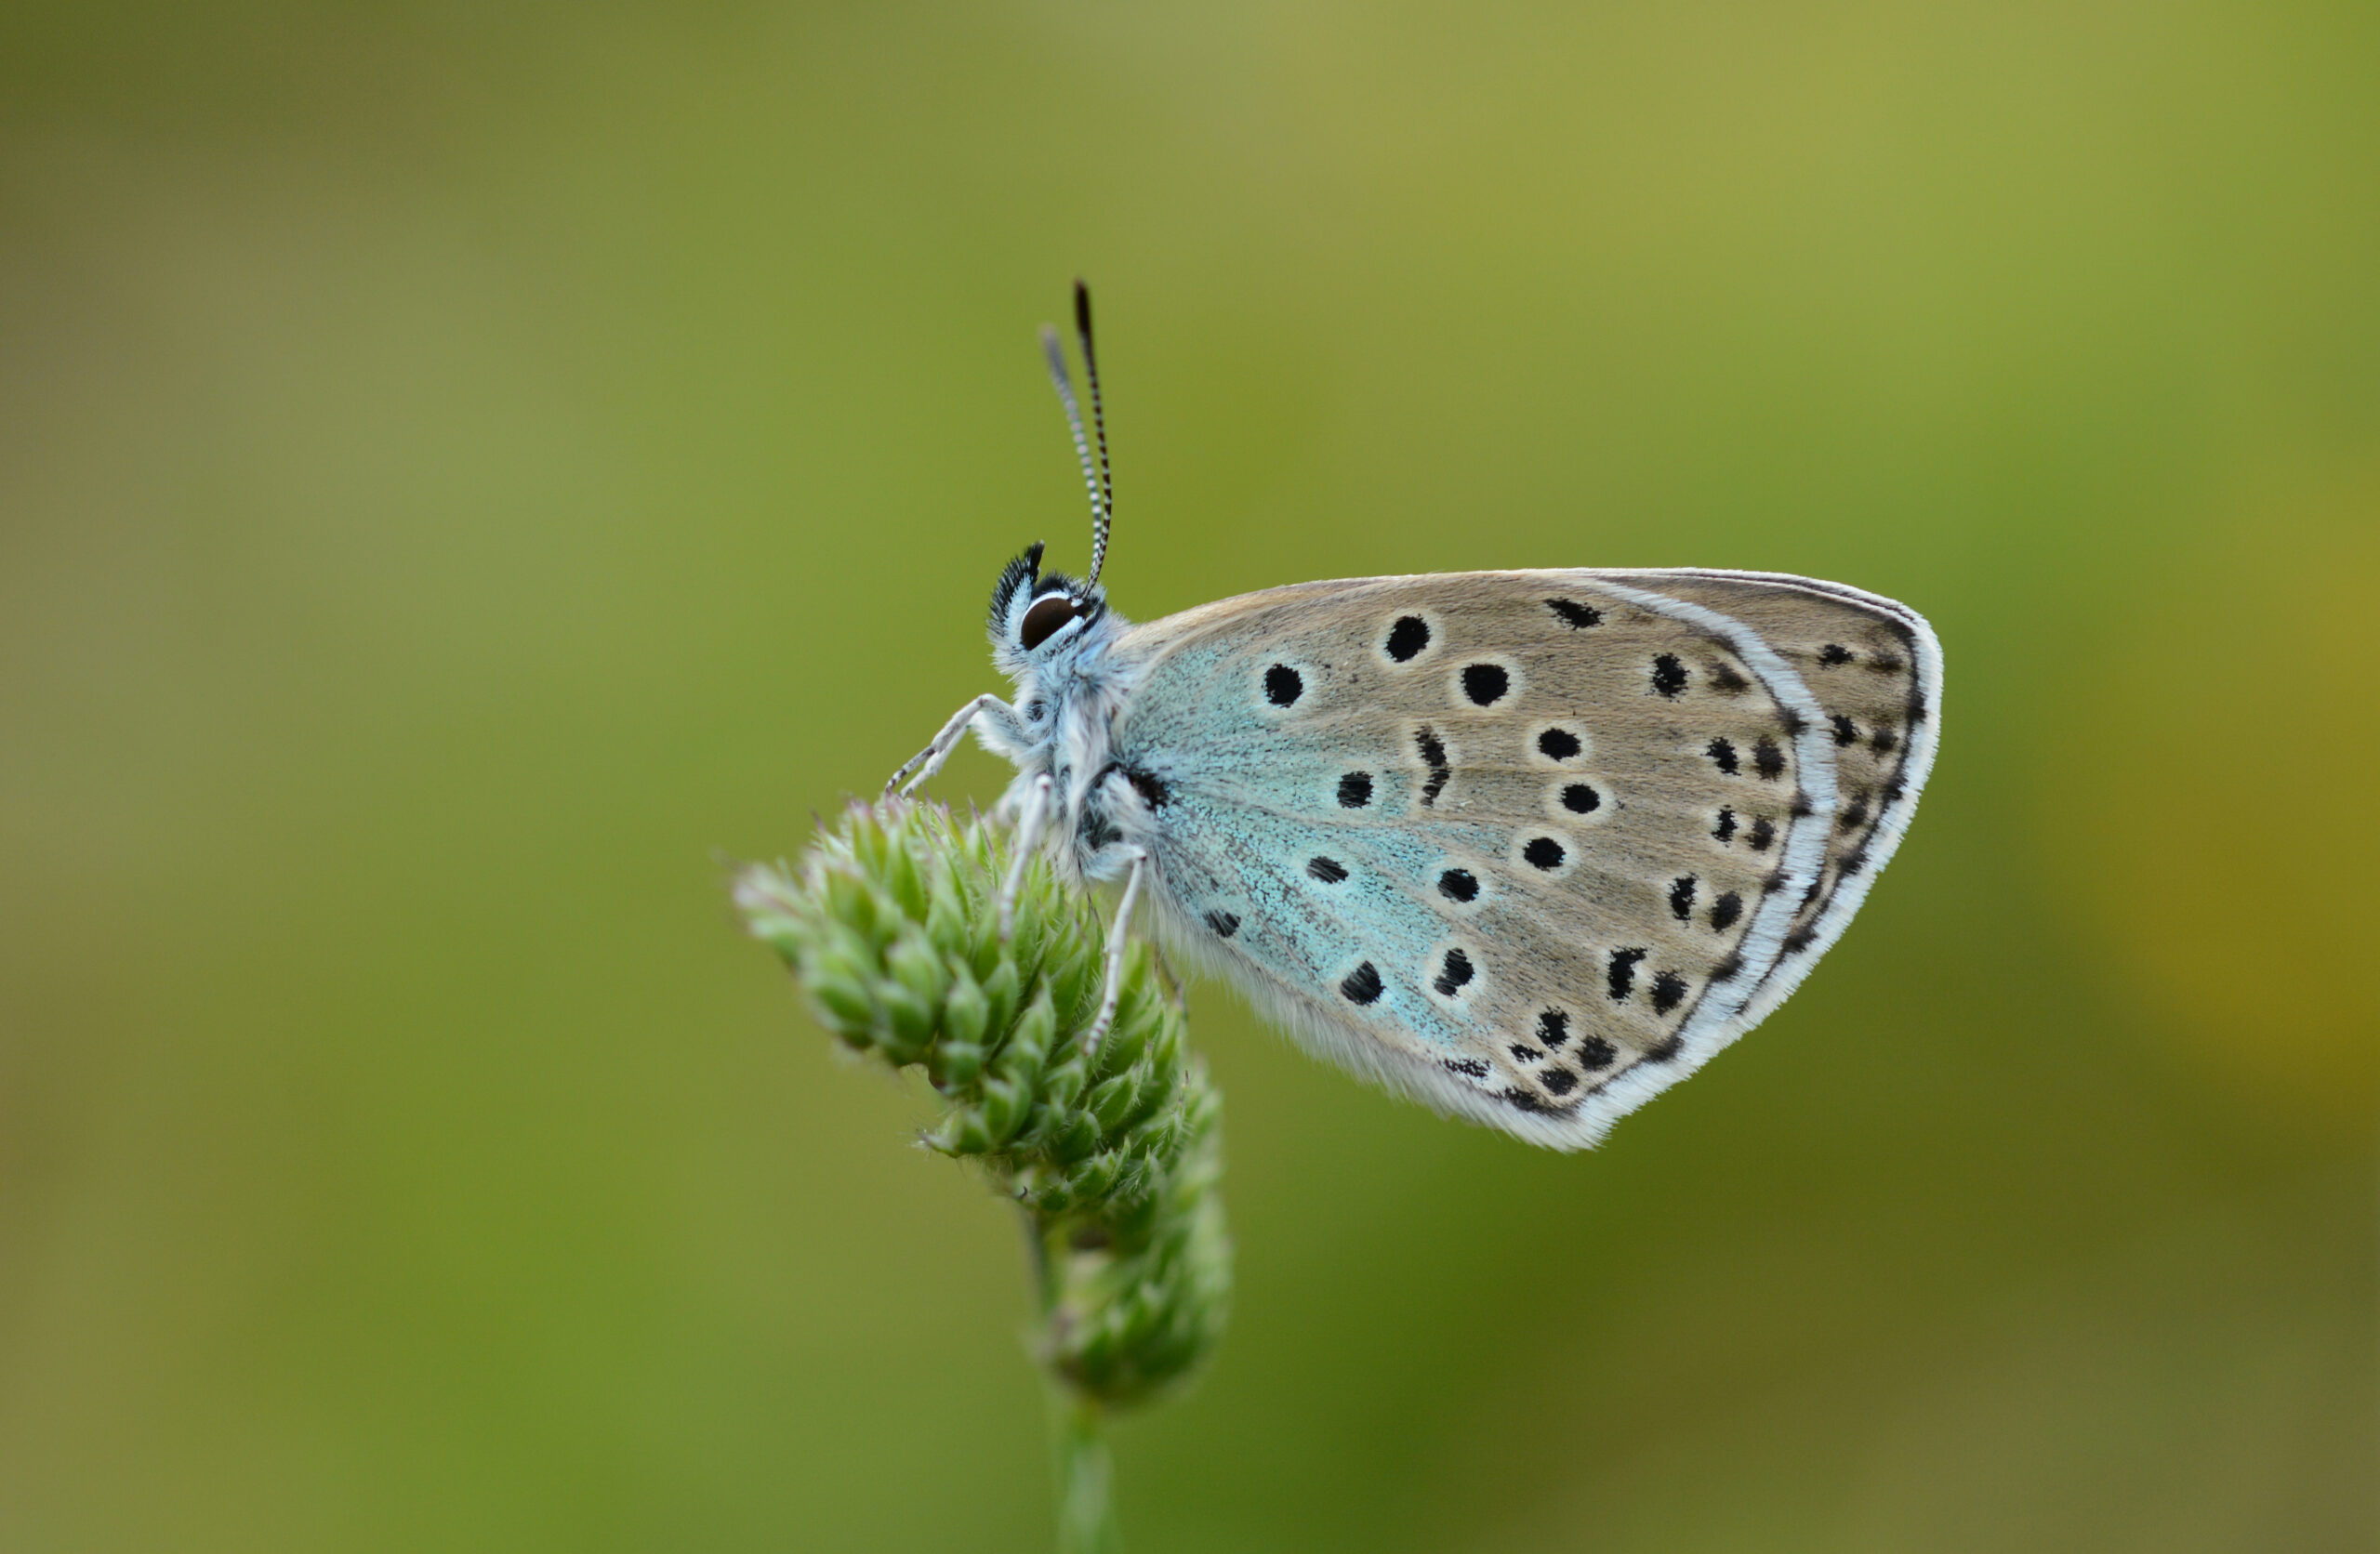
(1527, 846)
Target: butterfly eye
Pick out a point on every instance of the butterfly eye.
(1049, 612)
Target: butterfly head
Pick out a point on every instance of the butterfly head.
(1039, 618)
(1040, 622)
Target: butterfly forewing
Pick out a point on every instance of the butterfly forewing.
(1526, 845)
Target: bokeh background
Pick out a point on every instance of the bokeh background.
(466, 471)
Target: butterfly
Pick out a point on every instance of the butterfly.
(1527, 847)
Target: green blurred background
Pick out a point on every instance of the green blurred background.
(467, 469)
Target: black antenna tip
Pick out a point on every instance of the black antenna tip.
(1082, 306)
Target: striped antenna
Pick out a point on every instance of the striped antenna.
(1105, 507)
(1057, 356)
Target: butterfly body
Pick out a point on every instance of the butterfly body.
(1529, 847)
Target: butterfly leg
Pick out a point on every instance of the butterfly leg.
(1030, 823)
(927, 762)
(1113, 992)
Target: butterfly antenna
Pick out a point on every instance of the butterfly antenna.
(1066, 387)
(1105, 507)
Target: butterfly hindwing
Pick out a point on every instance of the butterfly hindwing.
(1875, 669)
(1529, 846)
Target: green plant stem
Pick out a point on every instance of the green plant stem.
(1078, 1442)
(1086, 1510)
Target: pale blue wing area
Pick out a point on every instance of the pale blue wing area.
(1315, 899)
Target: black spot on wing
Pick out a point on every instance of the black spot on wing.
(1581, 800)
(1669, 675)
(1553, 1027)
(1354, 790)
(1594, 1053)
(1283, 685)
(1768, 759)
(1558, 1081)
(1362, 985)
(1407, 638)
(1682, 897)
(1458, 884)
(1433, 755)
(1454, 974)
(1725, 910)
(1545, 852)
(1724, 831)
(1577, 616)
(1669, 991)
(1620, 980)
(1558, 745)
(1722, 752)
(1330, 871)
(1486, 684)
(1225, 924)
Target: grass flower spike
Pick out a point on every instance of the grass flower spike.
(1112, 1152)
